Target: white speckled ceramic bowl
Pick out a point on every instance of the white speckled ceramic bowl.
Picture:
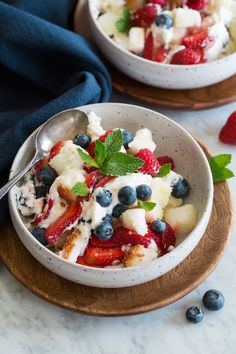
(190, 161)
(158, 74)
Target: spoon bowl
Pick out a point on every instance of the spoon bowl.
(60, 127)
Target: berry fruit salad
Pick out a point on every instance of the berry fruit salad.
(105, 199)
(181, 32)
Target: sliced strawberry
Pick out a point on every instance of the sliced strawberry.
(166, 159)
(196, 4)
(89, 168)
(104, 181)
(54, 231)
(38, 167)
(81, 260)
(95, 242)
(56, 149)
(197, 39)
(148, 48)
(145, 16)
(102, 138)
(44, 215)
(92, 178)
(165, 240)
(161, 54)
(186, 56)
(96, 256)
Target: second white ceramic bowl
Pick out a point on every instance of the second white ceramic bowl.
(190, 161)
(158, 74)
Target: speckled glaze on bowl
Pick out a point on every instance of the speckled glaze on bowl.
(158, 74)
(190, 161)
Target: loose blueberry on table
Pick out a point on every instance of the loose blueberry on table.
(105, 199)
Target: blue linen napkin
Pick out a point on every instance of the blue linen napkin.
(44, 68)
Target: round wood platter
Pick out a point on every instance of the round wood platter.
(195, 99)
(125, 301)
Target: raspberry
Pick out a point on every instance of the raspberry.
(196, 4)
(166, 159)
(161, 54)
(148, 48)
(151, 166)
(198, 39)
(165, 240)
(145, 16)
(228, 132)
(186, 56)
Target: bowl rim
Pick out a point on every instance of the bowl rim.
(204, 219)
(150, 62)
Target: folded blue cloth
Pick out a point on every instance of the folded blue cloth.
(44, 68)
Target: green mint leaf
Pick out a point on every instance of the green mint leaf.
(120, 164)
(164, 170)
(80, 189)
(123, 24)
(114, 141)
(87, 158)
(148, 206)
(218, 167)
(100, 152)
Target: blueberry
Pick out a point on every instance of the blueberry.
(104, 198)
(127, 138)
(39, 234)
(82, 140)
(181, 189)
(127, 195)
(104, 231)
(118, 210)
(143, 191)
(107, 218)
(194, 314)
(158, 226)
(41, 191)
(213, 300)
(164, 21)
(47, 175)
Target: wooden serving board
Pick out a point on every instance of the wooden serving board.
(195, 99)
(126, 301)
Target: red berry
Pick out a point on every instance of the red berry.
(162, 3)
(165, 240)
(161, 54)
(56, 149)
(151, 166)
(96, 256)
(186, 56)
(102, 138)
(144, 17)
(166, 159)
(44, 215)
(197, 39)
(228, 132)
(196, 4)
(148, 48)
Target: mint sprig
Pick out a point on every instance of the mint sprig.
(218, 165)
(123, 24)
(164, 170)
(148, 206)
(109, 159)
(80, 189)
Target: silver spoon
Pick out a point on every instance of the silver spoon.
(62, 126)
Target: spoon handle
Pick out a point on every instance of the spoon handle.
(5, 189)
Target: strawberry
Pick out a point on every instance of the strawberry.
(145, 16)
(162, 3)
(197, 39)
(151, 166)
(54, 230)
(165, 240)
(228, 132)
(89, 168)
(148, 48)
(92, 178)
(96, 256)
(104, 181)
(166, 159)
(196, 4)
(186, 56)
(102, 138)
(38, 167)
(56, 149)
(161, 54)
(44, 215)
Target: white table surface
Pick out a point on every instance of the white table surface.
(30, 325)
